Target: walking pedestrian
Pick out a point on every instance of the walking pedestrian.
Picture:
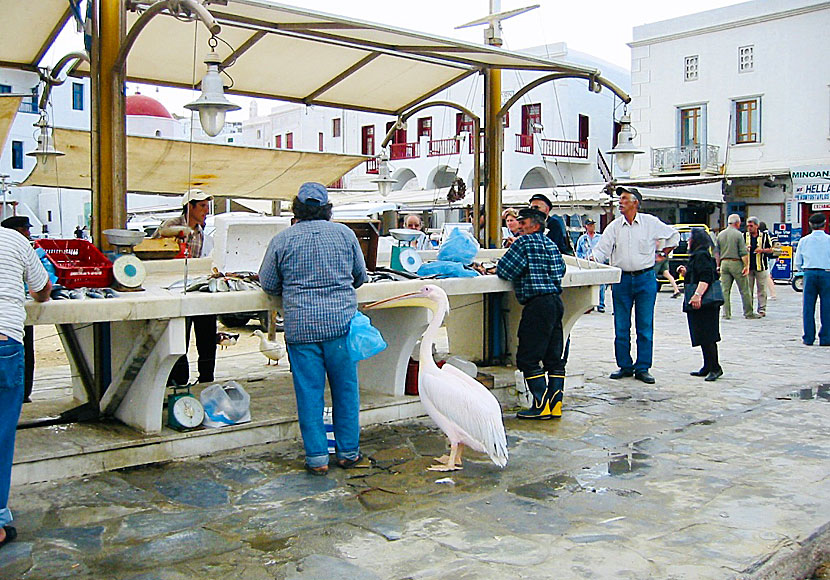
(19, 264)
(813, 258)
(759, 246)
(733, 260)
(776, 252)
(701, 271)
(584, 249)
(661, 268)
(315, 265)
(628, 243)
(535, 266)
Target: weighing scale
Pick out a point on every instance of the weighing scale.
(127, 270)
(404, 258)
(184, 411)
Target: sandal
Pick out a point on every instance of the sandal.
(11, 534)
(359, 462)
(320, 471)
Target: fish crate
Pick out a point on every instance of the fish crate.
(78, 264)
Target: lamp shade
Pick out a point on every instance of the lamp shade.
(212, 104)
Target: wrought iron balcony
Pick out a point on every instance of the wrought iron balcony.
(524, 143)
(438, 147)
(686, 158)
(404, 151)
(561, 148)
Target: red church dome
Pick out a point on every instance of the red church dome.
(146, 106)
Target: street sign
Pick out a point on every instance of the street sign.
(782, 268)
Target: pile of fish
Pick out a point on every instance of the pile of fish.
(219, 282)
(61, 293)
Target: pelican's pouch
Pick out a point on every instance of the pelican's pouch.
(363, 340)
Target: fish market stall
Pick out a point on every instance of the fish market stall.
(147, 329)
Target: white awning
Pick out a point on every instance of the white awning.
(281, 52)
(9, 104)
(158, 165)
(711, 192)
(584, 195)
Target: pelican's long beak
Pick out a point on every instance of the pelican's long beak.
(411, 299)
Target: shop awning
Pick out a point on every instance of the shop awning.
(281, 52)
(584, 195)
(9, 104)
(710, 192)
(167, 166)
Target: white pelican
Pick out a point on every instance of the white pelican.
(462, 407)
(272, 349)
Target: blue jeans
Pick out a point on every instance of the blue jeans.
(816, 286)
(310, 364)
(11, 399)
(639, 292)
(602, 295)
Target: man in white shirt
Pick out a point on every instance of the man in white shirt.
(628, 243)
(18, 264)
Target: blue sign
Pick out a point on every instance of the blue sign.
(783, 232)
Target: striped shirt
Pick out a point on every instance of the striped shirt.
(534, 265)
(315, 265)
(18, 264)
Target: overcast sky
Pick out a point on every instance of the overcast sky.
(598, 27)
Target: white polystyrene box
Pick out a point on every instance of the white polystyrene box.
(240, 240)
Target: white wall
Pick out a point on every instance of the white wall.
(791, 75)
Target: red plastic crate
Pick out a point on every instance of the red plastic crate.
(78, 263)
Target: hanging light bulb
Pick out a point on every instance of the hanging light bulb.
(45, 145)
(625, 150)
(384, 181)
(212, 104)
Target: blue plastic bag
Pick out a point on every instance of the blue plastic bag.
(363, 340)
(50, 267)
(459, 247)
(444, 269)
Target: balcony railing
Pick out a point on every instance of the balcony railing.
(439, 147)
(372, 165)
(524, 143)
(480, 144)
(686, 158)
(404, 151)
(560, 148)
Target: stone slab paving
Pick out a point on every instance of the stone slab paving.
(678, 480)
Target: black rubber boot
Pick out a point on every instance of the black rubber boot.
(540, 409)
(556, 387)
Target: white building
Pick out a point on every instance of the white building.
(740, 91)
(551, 137)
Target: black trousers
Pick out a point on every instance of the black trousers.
(710, 356)
(541, 343)
(205, 328)
(29, 358)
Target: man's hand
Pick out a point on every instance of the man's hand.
(744, 270)
(681, 270)
(175, 232)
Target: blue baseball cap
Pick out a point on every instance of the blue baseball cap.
(314, 194)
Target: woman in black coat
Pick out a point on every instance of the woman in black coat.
(704, 325)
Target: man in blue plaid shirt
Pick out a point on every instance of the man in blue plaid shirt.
(316, 265)
(535, 266)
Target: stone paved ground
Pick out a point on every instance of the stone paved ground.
(682, 479)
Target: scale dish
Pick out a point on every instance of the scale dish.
(404, 235)
(124, 237)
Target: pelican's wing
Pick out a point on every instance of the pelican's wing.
(467, 404)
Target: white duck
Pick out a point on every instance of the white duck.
(272, 349)
(462, 407)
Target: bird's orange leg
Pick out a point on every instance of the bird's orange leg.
(453, 462)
